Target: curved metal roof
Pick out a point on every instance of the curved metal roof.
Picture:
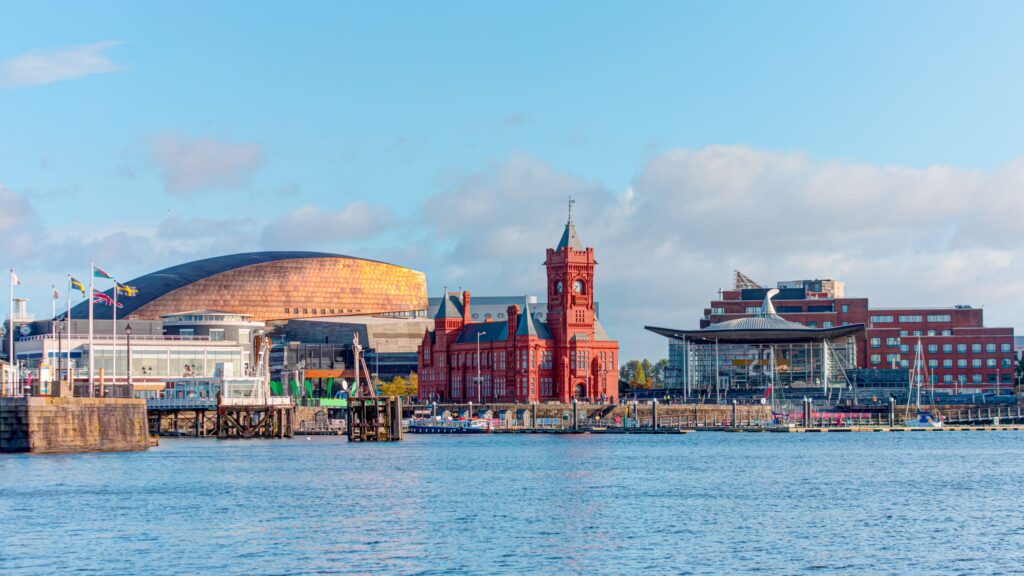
(766, 322)
(157, 284)
(760, 335)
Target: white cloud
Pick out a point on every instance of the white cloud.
(310, 226)
(188, 165)
(940, 235)
(45, 67)
(20, 228)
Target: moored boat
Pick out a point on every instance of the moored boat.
(475, 426)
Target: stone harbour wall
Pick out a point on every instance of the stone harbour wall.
(53, 425)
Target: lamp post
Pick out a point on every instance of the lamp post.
(60, 353)
(128, 335)
(478, 394)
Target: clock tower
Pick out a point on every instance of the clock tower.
(570, 269)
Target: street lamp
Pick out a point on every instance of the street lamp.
(478, 395)
(128, 335)
(60, 353)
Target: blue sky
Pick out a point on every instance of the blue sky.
(145, 134)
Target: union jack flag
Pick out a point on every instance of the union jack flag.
(101, 298)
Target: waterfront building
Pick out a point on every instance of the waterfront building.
(962, 354)
(755, 354)
(274, 286)
(156, 357)
(520, 357)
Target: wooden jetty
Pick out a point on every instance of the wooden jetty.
(371, 418)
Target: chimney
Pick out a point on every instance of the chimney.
(465, 307)
(513, 321)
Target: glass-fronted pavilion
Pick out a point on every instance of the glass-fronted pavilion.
(757, 353)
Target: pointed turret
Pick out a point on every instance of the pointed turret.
(569, 237)
(447, 308)
(530, 326)
(526, 327)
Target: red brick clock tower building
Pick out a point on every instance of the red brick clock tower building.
(524, 359)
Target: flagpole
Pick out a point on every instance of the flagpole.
(92, 351)
(53, 333)
(67, 321)
(113, 346)
(10, 340)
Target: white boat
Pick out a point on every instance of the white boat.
(427, 426)
(924, 418)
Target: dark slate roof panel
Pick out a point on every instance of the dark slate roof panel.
(489, 331)
(570, 238)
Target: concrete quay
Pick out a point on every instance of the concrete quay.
(59, 425)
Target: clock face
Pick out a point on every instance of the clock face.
(558, 287)
(577, 286)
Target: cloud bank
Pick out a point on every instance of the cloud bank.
(45, 67)
(939, 235)
(189, 165)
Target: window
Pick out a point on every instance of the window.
(947, 332)
(961, 348)
(976, 378)
(845, 308)
(947, 363)
(917, 332)
(719, 310)
(243, 335)
(876, 358)
(876, 342)
(890, 358)
(906, 348)
(904, 363)
(976, 362)
(990, 362)
(753, 309)
(948, 378)
(933, 348)
(1007, 363)
(187, 333)
(1005, 347)
(826, 324)
(812, 324)
(911, 318)
(217, 334)
(904, 333)
(892, 342)
(947, 348)
(938, 317)
(961, 363)
(976, 348)
(546, 363)
(931, 332)
(933, 363)
(881, 319)
(990, 348)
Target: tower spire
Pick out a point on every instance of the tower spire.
(569, 237)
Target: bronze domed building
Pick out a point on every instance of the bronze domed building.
(272, 286)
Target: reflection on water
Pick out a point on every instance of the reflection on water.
(702, 503)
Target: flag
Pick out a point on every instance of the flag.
(56, 294)
(129, 291)
(76, 285)
(98, 272)
(14, 279)
(101, 298)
